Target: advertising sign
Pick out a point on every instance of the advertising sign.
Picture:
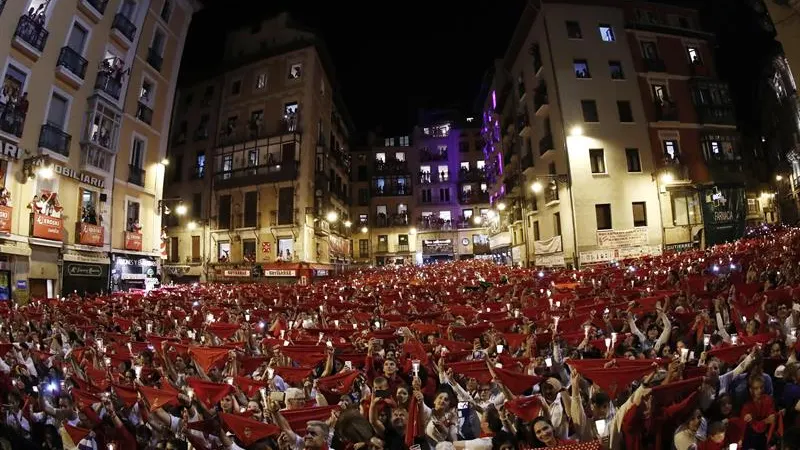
(133, 241)
(89, 234)
(552, 245)
(5, 219)
(724, 211)
(437, 246)
(280, 273)
(622, 238)
(46, 227)
(235, 273)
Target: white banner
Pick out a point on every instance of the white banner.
(280, 273)
(552, 245)
(622, 238)
(236, 273)
(606, 255)
(554, 260)
(502, 239)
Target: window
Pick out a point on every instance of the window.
(362, 173)
(251, 209)
(536, 235)
(146, 93)
(224, 251)
(197, 205)
(132, 216)
(137, 153)
(290, 111)
(464, 165)
(363, 248)
(404, 141)
(400, 156)
(649, 50)
(589, 108)
(166, 10)
(467, 214)
(388, 142)
(380, 157)
(363, 196)
(261, 81)
(597, 160)
(286, 206)
(195, 249)
(685, 209)
(77, 38)
(88, 206)
(249, 250)
(57, 114)
(639, 214)
(295, 71)
(285, 248)
(426, 196)
(606, 33)
(624, 110)
(158, 42)
(671, 151)
(581, 67)
(574, 30)
(480, 164)
(224, 212)
(694, 55)
(236, 87)
(444, 173)
(632, 157)
(603, 214)
(444, 194)
(174, 247)
(557, 224)
(615, 68)
(200, 164)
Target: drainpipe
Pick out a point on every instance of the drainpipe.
(564, 136)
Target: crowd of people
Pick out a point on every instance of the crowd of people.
(694, 350)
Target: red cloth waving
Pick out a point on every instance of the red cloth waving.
(223, 330)
(208, 357)
(297, 418)
(526, 408)
(248, 431)
(412, 425)
(294, 375)
(758, 410)
(209, 393)
(517, 382)
(156, 398)
(335, 386)
(614, 379)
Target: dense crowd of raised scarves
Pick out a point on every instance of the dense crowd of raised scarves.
(688, 350)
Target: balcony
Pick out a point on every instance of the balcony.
(551, 193)
(32, 35)
(426, 155)
(527, 160)
(434, 223)
(698, 69)
(392, 220)
(474, 175)
(54, 139)
(391, 167)
(124, 26)
(716, 114)
(523, 124)
(545, 144)
(540, 101)
(383, 247)
(155, 59)
(89, 234)
(240, 134)
(133, 240)
(108, 84)
(93, 8)
(654, 65)
(136, 175)
(391, 191)
(473, 197)
(322, 227)
(198, 172)
(666, 111)
(12, 120)
(254, 175)
(72, 61)
(144, 113)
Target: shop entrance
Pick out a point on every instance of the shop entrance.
(40, 287)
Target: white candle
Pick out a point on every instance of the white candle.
(499, 348)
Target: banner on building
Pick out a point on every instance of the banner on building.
(552, 245)
(89, 234)
(615, 254)
(724, 212)
(133, 241)
(552, 260)
(622, 238)
(46, 227)
(5, 219)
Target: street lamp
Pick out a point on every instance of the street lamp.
(577, 130)
(165, 162)
(332, 216)
(501, 206)
(667, 178)
(477, 220)
(778, 177)
(181, 209)
(537, 187)
(191, 226)
(364, 230)
(45, 172)
(412, 230)
(348, 224)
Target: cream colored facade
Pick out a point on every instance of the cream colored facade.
(537, 131)
(276, 161)
(99, 78)
(786, 18)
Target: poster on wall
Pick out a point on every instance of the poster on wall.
(133, 272)
(724, 212)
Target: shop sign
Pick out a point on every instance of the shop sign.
(724, 213)
(679, 247)
(622, 238)
(133, 241)
(89, 234)
(5, 219)
(22, 285)
(321, 272)
(83, 177)
(46, 227)
(235, 273)
(280, 273)
(8, 149)
(437, 246)
(84, 270)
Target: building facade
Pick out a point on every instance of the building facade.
(267, 167)
(84, 118)
(568, 146)
(421, 197)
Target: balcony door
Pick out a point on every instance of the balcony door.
(57, 114)
(128, 9)
(137, 153)
(77, 38)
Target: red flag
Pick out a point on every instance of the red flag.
(516, 382)
(249, 365)
(412, 425)
(127, 395)
(223, 330)
(209, 393)
(208, 357)
(156, 398)
(294, 375)
(671, 393)
(526, 408)
(298, 418)
(304, 356)
(250, 386)
(76, 434)
(334, 386)
(248, 430)
(614, 379)
(83, 398)
(730, 354)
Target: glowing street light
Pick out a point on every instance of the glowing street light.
(191, 226)
(332, 216)
(667, 178)
(537, 187)
(165, 162)
(412, 230)
(348, 224)
(501, 206)
(477, 220)
(181, 209)
(577, 130)
(45, 172)
(364, 229)
(778, 177)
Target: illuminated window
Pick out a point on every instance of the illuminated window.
(607, 33)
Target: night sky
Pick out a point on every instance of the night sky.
(393, 58)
